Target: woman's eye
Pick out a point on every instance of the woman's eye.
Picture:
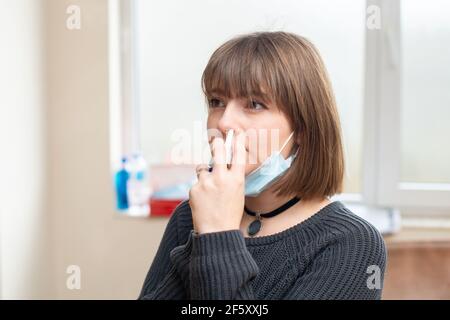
(216, 103)
(255, 105)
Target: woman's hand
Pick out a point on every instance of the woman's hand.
(217, 199)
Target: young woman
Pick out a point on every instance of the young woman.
(266, 229)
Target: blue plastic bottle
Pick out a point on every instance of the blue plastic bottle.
(120, 180)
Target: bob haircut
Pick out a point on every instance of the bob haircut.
(286, 69)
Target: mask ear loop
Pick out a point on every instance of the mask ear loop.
(285, 143)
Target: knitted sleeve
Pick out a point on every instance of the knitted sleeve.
(217, 266)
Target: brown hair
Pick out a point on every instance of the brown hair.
(286, 69)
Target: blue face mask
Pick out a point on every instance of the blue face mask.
(268, 172)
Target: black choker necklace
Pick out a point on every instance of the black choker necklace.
(256, 225)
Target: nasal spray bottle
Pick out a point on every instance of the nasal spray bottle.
(228, 149)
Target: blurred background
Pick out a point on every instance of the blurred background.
(97, 97)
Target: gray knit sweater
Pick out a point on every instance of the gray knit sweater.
(332, 255)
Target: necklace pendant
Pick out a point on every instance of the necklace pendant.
(255, 226)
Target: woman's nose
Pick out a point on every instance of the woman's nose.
(230, 118)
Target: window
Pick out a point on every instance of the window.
(407, 94)
(425, 92)
(172, 58)
(391, 84)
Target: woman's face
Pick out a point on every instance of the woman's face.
(267, 128)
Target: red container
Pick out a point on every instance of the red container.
(163, 207)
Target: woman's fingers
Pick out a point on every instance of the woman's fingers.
(239, 154)
(219, 155)
(239, 158)
(201, 170)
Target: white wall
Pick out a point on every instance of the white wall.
(24, 251)
(113, 252)
(56, 191)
